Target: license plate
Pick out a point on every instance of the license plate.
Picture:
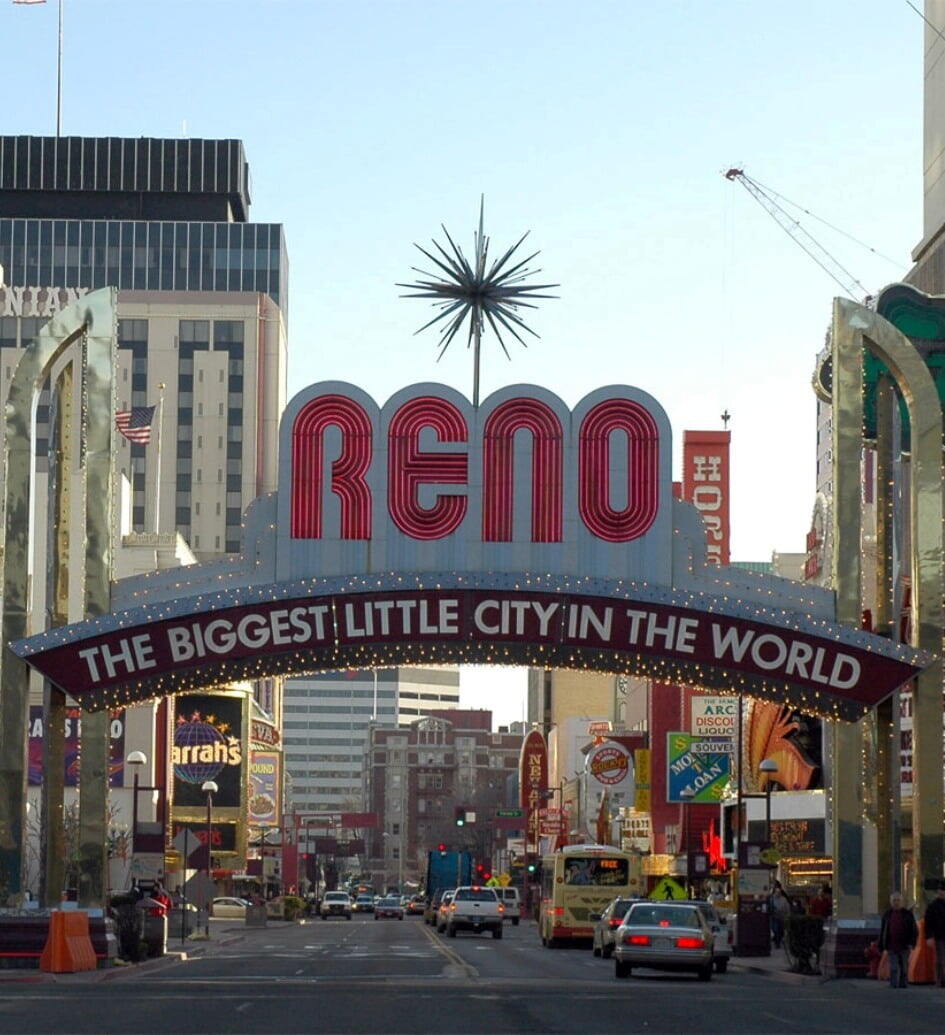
(661, 943)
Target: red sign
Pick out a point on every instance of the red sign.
(411, 469)
(770, 658)
(705, 485)
(533, 780)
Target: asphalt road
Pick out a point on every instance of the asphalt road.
(397, 976)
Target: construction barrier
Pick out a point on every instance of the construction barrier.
(922, 960)
(68, 948)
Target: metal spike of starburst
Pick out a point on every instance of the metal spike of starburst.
(486, 294)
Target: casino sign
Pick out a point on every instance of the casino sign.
(427, 531)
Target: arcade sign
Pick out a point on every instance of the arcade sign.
(519, 532)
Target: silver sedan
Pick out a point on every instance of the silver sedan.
(664, 936)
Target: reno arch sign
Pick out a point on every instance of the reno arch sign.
(521, 532)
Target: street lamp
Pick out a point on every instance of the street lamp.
(688, 795)
(209, 788)
(769, 766)
(136, 759)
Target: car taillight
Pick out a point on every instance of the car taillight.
(155, 911)
(614, 922)
(637, 939)
(690, 943)
(559, 910)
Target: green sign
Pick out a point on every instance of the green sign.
(701, 765)
(668, 890)
(509, 813)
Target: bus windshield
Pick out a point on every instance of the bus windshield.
(600, 872)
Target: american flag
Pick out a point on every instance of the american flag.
(135, 424)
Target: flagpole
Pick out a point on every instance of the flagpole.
(159, 415)
(59, 78)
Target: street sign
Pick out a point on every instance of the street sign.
(668, 890)
(200, 889)
(510, 813)
(698, 764)
(188, 844)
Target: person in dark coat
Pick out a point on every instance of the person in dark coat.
(935, 929)
(897, 936)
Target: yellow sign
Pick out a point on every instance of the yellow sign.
(641, 763)
(504, 880)
(667, 889)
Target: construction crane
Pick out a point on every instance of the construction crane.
(767, 199)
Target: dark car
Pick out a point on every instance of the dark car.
(364, 904)
(432, 908)
(390, 906)
(417, 904)
(606, 924)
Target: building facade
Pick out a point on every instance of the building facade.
(416, 778)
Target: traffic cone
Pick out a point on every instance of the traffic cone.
(922, 960)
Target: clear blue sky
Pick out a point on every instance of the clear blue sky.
(602, 127)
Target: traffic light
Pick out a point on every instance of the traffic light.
(487, 875)
(531, 868)
(460, 813)
(480, 869)
(441, 848)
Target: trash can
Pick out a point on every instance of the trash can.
(153, 926)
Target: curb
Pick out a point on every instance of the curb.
(787, 976)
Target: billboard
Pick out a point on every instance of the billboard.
(263, 802)
(208, 745)
(713, 716)
(705, 478)
(533, 779)
(700, 764)
(116, 746)
(610, 768)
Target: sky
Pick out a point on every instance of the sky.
(601, 127)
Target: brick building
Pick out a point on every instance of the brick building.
(417, 775)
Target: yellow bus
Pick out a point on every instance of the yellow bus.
(580, 880)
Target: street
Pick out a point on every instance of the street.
(397, 976)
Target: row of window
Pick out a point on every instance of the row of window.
(293, 689)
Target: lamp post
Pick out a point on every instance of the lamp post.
(209, 788)
(769, 766)
(687, 794)
(136, 759)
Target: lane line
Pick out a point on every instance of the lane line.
(470, 972)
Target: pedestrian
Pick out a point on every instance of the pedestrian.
(897, 937)
(779, 905)
(822, 903)
(935, 929)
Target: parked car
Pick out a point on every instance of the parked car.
(509, 898)
(389, 907)
(364, 904)
(229, 908)
(335, 903)
(606, 924)
(475, 909)
(416, 904)
(443, 912)
(663, 936)
(722, 935)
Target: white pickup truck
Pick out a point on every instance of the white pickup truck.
(475, 909)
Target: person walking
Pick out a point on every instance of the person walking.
(935, 929)
(780, 906)
(897, 936)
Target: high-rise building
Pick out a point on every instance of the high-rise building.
(327, 720)
(202, 301)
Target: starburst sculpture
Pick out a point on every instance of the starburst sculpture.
(479, 291)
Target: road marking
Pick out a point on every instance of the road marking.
(243, 1006)
(466, 969)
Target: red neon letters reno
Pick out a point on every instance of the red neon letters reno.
(409, 467)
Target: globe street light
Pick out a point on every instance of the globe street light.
(136, 759)
(209, 788)
(768, 766)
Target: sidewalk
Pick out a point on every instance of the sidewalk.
(774, 966)
(176, 953)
